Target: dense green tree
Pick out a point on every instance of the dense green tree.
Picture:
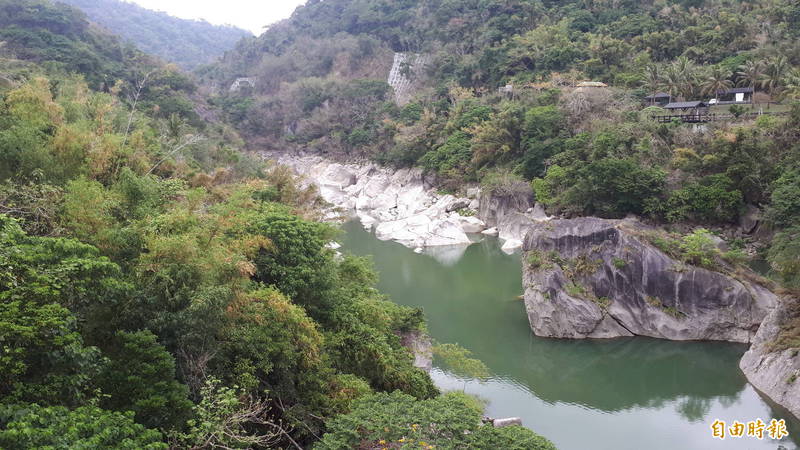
(614, 187)
(450, 421)
(784, 209)
(44, 357)
(33, 426)
(140, 377)
(783, 258)
(297, 263)
(712, 199)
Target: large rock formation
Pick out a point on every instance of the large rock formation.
(596, 278)
(400, 205)
(511, 213)
(774, 371)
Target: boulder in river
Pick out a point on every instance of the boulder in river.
(772, 366)
(597, 278)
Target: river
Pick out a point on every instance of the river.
(628, 393)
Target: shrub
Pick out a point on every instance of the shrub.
(34, 426)
(397, 420)
(699, 249)
(711, 199)
(784, 209)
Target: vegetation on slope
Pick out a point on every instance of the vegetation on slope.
(158, 287)
(583, 150)
(188, 43)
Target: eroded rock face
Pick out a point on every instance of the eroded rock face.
(776, 373)
(511, 215)
(400, 205)
(596, 278)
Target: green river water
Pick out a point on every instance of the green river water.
(629, 393)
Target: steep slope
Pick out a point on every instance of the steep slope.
(188, 43)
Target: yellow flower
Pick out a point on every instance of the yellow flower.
(402, 440)
(382, 442)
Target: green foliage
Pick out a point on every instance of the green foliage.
(459, 361)
(452, 157)
(399, 421)
(140, 377)
(784, 209)
(44, 358)
(736, 110)
(614, 187)
(57, 271)
(699, 249)
(575, 290)
(713, 198)
(297, 263)
(56, 427)
(783, 259)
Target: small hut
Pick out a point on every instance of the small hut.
(695, 107)
(735, 95)
(659, 98)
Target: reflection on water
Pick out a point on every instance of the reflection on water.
(630, 393)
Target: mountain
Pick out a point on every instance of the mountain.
(188, 43)
(545, 94)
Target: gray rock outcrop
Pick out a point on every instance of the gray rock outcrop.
(596, 278)
(399, 205)
(511, 214)
(774, 372)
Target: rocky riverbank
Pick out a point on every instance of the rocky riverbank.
(596, 278)
(774, 371)
(404, 206)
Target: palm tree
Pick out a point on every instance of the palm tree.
(687, 74)
(793, 85)
(672, 81)
(718, 80)
(774, 74)
(652, 80)
(749, 75)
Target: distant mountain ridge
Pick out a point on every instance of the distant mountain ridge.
(188, 43)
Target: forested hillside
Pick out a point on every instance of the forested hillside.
(584, 150)
(188, 43)
(159, 288)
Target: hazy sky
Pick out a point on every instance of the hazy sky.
(251, 15)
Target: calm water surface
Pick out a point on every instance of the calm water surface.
(630, 393)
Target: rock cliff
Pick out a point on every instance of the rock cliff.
(774, 371)
(596, 278)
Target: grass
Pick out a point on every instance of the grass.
(537, 260)
(586, 266)
(789, 336)
(653, 301)
(602, 302)
(657, 303)
(575, 290)
(619, 263)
